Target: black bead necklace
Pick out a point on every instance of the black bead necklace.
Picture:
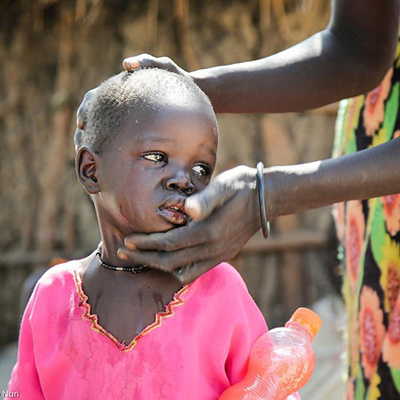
(133, 270)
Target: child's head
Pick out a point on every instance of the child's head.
(150, 141)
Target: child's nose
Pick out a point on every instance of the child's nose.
(180, 182)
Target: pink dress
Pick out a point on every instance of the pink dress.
(193, 351)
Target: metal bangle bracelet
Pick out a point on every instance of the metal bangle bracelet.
(261, 198)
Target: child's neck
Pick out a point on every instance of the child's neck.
(126, 303)
(109, 249)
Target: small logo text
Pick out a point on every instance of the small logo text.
(7, 394)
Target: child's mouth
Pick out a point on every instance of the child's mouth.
(174, 214)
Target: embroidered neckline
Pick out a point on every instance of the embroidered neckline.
(176, 301)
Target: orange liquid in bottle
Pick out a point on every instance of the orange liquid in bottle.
(281, 361)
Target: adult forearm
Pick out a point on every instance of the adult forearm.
(316, 72)
(348, 58)
(296, 79)
(369, 173)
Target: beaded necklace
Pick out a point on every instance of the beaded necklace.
(133, 270)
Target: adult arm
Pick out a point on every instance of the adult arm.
(348, 58)
(204, 243)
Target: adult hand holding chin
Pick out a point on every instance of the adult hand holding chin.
(225, 216)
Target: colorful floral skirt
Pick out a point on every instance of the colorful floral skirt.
(369, 233)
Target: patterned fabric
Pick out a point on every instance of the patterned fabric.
(369, 233)
(193, 351)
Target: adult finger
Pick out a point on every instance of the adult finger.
(165, 261)
(204, 203)
(140, 61)
(149, 61)
(145, 61)
(131, 64)
(175, 239)
(191, 272)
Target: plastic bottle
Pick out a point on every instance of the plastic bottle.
(281, 361)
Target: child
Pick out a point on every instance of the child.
(101, 328)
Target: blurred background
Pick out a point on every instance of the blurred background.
(53, 51)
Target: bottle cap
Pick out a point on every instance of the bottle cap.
(308, 318)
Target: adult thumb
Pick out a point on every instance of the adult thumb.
(204, 203)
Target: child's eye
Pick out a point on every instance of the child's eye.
(155, 157)
(202, 170)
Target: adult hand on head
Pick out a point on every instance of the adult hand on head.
(225, 216)
(130, 64)
(149, 61)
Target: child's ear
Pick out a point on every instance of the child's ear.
(86, 169)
